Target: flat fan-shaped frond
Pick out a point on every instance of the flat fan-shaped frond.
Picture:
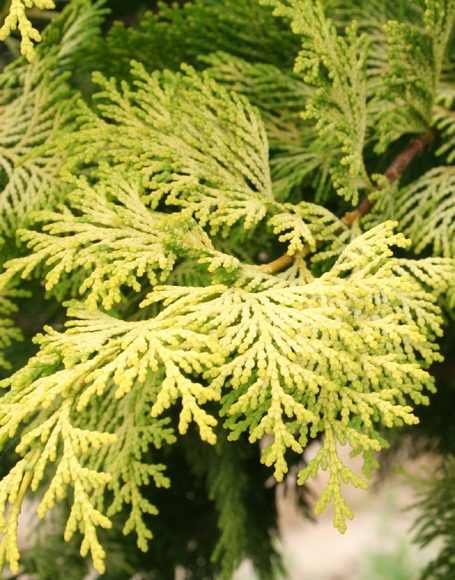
(195, 145)
(417, 53)
(336, 66)
(336, 356)
(59, 392)
(111, 241)
(426, 211)
(33, 126)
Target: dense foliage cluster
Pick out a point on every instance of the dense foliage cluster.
(218, 215)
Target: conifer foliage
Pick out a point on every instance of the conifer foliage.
(198, 207)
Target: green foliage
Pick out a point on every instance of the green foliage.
(437, 522)
(297, 155)
(426, 211)
(210, 163)
(34, 118)
(72, 34)
(416, 57)
(37, 112)
(372, 17)
(239, 340)
(114, 244)
(445, 119)
(335, 66)
(167, 38)
(9, 334)
(145, 201)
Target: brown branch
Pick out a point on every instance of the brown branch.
(42, 14)
(281, 263)
(392, 174)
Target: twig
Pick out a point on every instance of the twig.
(42, 14)
(392, 173)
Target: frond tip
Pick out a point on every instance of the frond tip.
(17, 20)
(140, 370)
(194, 144)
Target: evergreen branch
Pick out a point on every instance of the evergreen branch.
(401, 162)
(335, 65)
(277, 376)
(210, 175)
(179, 178)
(392, 174)
(426, 211)
(33, 125)
(58, 391)
(216, 169)
(112, 245)
(417, 52)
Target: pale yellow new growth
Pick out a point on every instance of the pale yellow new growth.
(334, 356)
(8, 333)
(152, 364)
(162, 171)
(17, 19)
(52, 433)
(290, 358)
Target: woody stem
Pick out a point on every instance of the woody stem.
(392, 173)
